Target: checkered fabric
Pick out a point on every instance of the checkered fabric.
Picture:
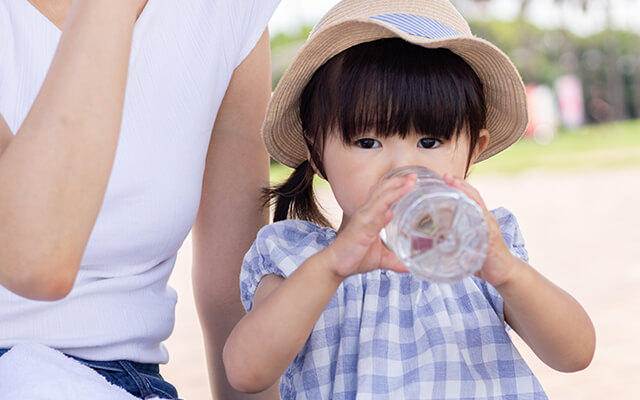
(386, 335)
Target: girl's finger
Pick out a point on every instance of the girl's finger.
(388, 184)
(387, 195)
(383, 196)
(391, 262)
(463, 185)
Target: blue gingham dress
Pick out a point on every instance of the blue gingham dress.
(386, 335)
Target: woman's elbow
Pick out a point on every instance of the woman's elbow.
(49, 283)
(55, 288)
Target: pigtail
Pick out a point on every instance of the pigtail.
(295, 199)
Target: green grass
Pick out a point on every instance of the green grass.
(613, 145)
(604, 146)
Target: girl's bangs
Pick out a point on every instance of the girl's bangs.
(391, 87)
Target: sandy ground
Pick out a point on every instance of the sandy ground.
(581, 230)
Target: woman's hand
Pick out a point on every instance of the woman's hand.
(498, 264)
(358, 247)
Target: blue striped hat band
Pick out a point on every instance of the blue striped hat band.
(417, 25)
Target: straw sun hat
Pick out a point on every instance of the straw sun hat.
(428, 23)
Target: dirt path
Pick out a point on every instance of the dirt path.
(581, 230)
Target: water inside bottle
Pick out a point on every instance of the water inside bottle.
(444, 239)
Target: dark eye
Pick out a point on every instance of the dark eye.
(429, 143)
(367, 143)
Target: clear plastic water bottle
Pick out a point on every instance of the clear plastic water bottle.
(437, 231)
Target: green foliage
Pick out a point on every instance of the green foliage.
(608, 62)
(534, 52)
(612, 145)
(281, 39)
(283, 48)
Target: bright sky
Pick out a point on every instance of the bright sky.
(291, 14)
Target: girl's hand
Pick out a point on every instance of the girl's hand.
(358, 247)
(547, 318)
(497, 266)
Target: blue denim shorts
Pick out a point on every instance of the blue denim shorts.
(141, 380)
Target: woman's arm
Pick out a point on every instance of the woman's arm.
(54, 173)
(5, 135)
(546, 317)
(231, 211)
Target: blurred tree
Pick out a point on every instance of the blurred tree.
(284, 48)
(614, 91)
(608, 62)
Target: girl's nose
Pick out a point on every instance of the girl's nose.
(401, 159)
(401, 153)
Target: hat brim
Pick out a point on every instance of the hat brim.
(505, 95)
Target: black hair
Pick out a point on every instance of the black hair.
(390, 87)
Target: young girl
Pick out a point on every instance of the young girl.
(380, 85)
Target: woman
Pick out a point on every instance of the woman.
(107, 148)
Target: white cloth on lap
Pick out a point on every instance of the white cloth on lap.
(35, 372)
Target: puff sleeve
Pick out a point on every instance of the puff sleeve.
(279, 249)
